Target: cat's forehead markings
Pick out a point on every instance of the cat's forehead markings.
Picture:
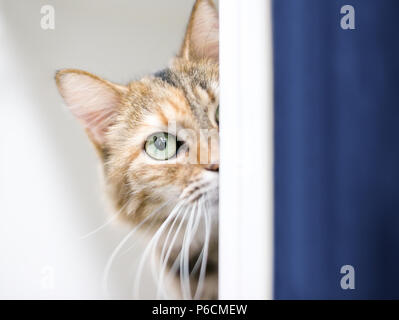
(193, 93)
(167, 76)
(175, 107)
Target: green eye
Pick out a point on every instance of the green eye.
(161, 146)
(217, 115)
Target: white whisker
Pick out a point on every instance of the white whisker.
(184, 258)
(120, 245)
(201, 278)
(148, 248)
(165, 260)
(106, 223)
(199, 217)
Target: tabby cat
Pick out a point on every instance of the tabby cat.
(158, 142)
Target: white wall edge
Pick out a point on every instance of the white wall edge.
(246, 137)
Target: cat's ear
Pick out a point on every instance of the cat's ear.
(91, 99)
(202, 35)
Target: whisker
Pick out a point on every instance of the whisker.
(120, 245)
(199, 259)
(150, 244)
(143, 234)
(184, 258)
(176, 264)
(166, 258)
(201, 278)
(155, 247)
(191, 235)
(162, 255)
(106, 223)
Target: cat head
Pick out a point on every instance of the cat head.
(157, 137)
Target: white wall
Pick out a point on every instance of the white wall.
(246, 139)
(50, 193)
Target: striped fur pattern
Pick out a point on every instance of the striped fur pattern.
(174, 200)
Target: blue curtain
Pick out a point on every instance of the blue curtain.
(336, 149)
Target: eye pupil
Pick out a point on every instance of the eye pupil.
(160, 142)
(161, 146)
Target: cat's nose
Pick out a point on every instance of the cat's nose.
(213, 167)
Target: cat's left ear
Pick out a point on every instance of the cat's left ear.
(202, 35)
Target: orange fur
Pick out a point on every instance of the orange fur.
(120, 118)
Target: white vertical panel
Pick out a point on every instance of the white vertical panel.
(246, 133)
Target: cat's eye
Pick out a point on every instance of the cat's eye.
(161, 146)
(217, 115)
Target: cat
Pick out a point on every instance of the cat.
(154, 167)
